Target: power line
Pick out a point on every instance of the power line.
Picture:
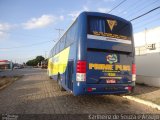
(117, 6)
(145, 13)
(153, 18)
(128, 7)
(148, 23)
(143, 6)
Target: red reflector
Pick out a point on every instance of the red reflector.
(129, 88)
(133, 68)
(89, 89)
(81, 66)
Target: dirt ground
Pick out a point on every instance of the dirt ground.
(147, 93)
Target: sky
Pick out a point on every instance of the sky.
(28, 28)
(148, 37)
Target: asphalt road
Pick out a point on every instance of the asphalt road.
(19, 72)
(34, 93)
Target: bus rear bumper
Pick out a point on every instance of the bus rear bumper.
(104, 89)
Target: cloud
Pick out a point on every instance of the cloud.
(74, 14)
(61, 17)
(41, 22)
(103, 10)
(85, 8)
(4, 28)
(3, 35)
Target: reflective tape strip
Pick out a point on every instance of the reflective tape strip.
(110, 77)
(108, 39)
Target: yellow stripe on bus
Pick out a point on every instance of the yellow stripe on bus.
(58, 63)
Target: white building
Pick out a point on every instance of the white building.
(147, 57)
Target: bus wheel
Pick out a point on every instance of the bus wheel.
(59, 84)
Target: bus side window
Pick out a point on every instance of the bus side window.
(72, 34)
(53, 53)
(62, 43)
(50, 54)
(57, 48)
(67, 39)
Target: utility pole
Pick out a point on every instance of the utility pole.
(59, 31)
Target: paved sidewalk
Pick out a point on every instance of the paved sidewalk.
(35, 93)
(147, 93)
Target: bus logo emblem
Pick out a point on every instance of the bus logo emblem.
(111, 58)
(112, 23)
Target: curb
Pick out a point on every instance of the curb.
(148, 103)
(9, 83)
(4, 86)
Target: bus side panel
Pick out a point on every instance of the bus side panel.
(58, 63)
(64, 62)
(68, 77)
(78, 87)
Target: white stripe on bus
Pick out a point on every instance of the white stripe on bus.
(110, 77)
(108, 39)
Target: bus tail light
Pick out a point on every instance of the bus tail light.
(91, 89)
(128, 88)
(133, 72)
(81, 70)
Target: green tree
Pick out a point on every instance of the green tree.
(35, 61)
(39, 59)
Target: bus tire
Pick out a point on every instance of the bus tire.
(59, 83)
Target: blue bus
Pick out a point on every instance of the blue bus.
(95, 56)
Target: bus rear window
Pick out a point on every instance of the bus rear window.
(108, 27)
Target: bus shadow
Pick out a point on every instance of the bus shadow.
(91, 103)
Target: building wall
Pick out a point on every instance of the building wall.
(148, 60)
(148, 69)
(148, 65)
(5, 64)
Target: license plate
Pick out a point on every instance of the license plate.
(110, 81)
